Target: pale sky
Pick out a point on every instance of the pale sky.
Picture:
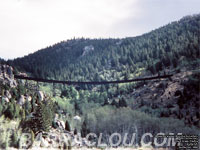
(29, 25)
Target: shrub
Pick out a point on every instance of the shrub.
(9, 112)
(15, 140)
(9, 133)
(67, 126)
(85, 129)
(42, 119)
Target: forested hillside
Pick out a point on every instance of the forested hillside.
(173, 48)
(162, 105)
(107, 59)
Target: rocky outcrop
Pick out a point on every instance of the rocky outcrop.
(87, 49)
(6, 75)
(40, 95)
(59, 124)
(44, 143)
(5, 99)
(8, 95)
(9, 71)
(21, 100)
(29, 98)
(176, 98)
(77, 118)
(119, 42)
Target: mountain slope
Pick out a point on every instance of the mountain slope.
(158, 106)
(167, 46)
(173, 48)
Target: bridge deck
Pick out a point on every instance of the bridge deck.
(92, 82)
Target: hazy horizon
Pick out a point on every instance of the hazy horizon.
(27, 26)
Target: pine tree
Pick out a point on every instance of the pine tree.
(122, 102)
(67, 126)
(84, 128)
(43, 117)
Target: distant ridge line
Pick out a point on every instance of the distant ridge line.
(91, 82)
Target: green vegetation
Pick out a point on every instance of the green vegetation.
(112, 59)
(108, 120)
(43, 118)
(9, 133)
(171, 48)
(133, 107)
(19, 115)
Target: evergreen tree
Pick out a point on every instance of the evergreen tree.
(84, 128)
(122, 102)
(43, 117)
(67, 126)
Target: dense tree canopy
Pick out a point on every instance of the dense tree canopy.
(110, 59)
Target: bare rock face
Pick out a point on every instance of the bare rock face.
(77, 118)
(6, 75)
(60, 124)
(12, 82)
(119, 42)
(29, 98)
(10, 71)
(21, 100)
(5, 99)
(87, 49)
(44, 143)
(56, 138)
(40, 95)
(8, 95)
